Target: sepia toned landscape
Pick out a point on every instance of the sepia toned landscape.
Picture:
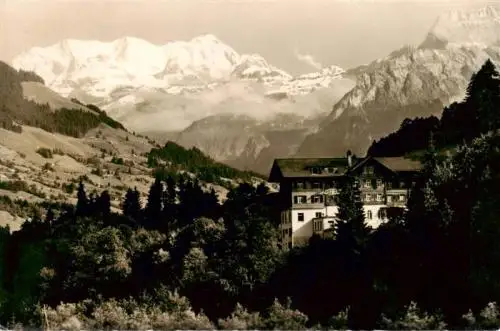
(249, 164)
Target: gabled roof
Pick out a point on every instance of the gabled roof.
(394, 164)
(301, 167)
(399, 164)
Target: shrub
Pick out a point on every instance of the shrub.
(414, 319)
(45, 152)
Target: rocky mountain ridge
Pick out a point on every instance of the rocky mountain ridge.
(410, 82)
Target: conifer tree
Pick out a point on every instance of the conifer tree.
(104, 204)
(82, 205)
(154, 204)
(169, 205)
(351, 230)
(131, 206)
(483, 96)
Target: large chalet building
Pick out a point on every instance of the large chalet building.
(308, 188)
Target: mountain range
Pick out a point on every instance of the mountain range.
(242, 110)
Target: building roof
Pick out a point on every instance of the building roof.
(301, 167)
(399, 164)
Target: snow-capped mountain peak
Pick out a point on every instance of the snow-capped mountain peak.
(480, 26)
(98, 68)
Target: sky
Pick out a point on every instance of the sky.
(295, 35)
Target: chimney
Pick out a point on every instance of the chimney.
(349, 158)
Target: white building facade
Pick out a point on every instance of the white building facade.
(308, 188)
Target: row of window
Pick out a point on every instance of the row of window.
(364, 183)
(367, 197)
(328, 170)
(302, 199)
(313, 185)
(381, 214)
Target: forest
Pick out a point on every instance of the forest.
(172, 158)
(460, 122)
(16, 110)
(182, 260)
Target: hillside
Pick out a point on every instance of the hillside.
(173, 158)
(29, 103)
(45, 151)
(460, 122)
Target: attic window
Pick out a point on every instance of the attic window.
(315, 170)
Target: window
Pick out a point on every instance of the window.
(300, 217)
(380, 183)
(317, 226)
(368, 170)
(299, 199)
(402, 184)
(316, 185)
(368, 197)
(389, 198)
(316, 171)
(319, 214)
(389, 185)
(402, 197)
(367, 184)
(299, 185)
(290, 231)
(317, 199)
(382, 213)
(369, 214)
(379, 197)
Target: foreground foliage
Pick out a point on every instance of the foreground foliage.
(182, 260)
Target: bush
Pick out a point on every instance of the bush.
(241, 319)
(45, 152)
(414, 319)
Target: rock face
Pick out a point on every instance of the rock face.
(410, 82)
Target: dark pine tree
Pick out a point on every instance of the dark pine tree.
(483, 96)
(351, 230)
(131, 206)
(169, 205)
(82, 205)
(351, 236)
(104, 204)
(153, 211)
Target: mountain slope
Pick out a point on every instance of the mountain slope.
(410, 82)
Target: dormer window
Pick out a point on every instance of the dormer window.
(315, 170)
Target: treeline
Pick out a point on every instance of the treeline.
(460, 122)
(182, 260)
(172, 158)
(14, 108)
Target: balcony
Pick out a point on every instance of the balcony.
(310, 189)
(309, 205)
(396, 197)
